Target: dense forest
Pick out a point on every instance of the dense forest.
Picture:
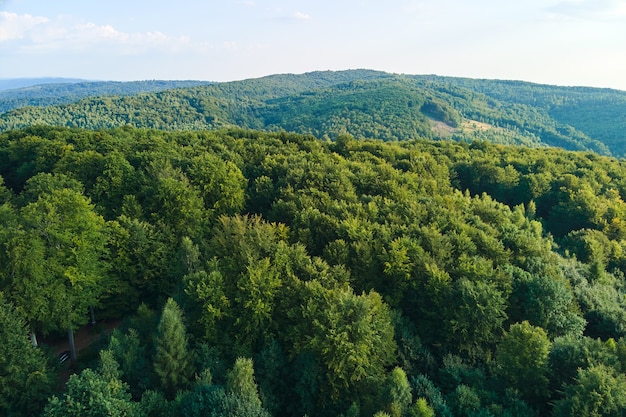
(281, 274)
(51, 93)
(362, 103)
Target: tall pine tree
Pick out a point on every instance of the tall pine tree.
(172, 362)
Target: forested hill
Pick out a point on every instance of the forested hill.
(68, 91)
(276, 274)
(365, 104)
(17, 83)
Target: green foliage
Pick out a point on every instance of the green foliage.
(397, 392)
(364, 104)
(92, 394)
(421, 409)
(56, 260)
(240, 382)
(351, 335)
(50, 93)
(597, 391)
(360, 275)
(546, 302)
(172, 362)
(26, 378)
(523, 359)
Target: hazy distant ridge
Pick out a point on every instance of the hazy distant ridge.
(13, 83)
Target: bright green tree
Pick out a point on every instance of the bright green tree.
(597, 391)
(523, 359)
(421, 409)
(56, 261)
(397, 392)
(90, 394)
(240, 382)
(351, 335)
(172, 361)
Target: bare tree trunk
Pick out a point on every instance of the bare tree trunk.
(92, 316)
(70, 338)
(33, 338)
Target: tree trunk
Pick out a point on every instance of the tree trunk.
(33, 338)
(70, 338)
(92, 316)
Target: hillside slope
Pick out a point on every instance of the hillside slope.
(364, 103)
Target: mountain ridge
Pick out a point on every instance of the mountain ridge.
(365, 104)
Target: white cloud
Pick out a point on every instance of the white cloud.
(301, 16)
(65, 33)
(14, 26)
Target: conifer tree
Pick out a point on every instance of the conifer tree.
(242, 393)
(240, 381)
(172, 362)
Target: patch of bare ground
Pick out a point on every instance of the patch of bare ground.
(442, 129)
(473, 125)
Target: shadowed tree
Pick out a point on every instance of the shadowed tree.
(25, 377)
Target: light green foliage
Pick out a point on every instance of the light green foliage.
(55, 259)
(92, 395)
(397, 392)
(522, 356)
(597, 391)
(172, 362)
(240, 382)
(421, 409)
(352, 336)
(221, 184)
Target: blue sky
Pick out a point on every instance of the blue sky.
(563, 42)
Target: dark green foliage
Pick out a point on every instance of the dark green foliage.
(26, 377)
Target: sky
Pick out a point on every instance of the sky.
(559, 42)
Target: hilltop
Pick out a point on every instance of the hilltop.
(364, 104)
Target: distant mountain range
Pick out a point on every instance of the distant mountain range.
(50, 91)
(14, 83)
(362, 103)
